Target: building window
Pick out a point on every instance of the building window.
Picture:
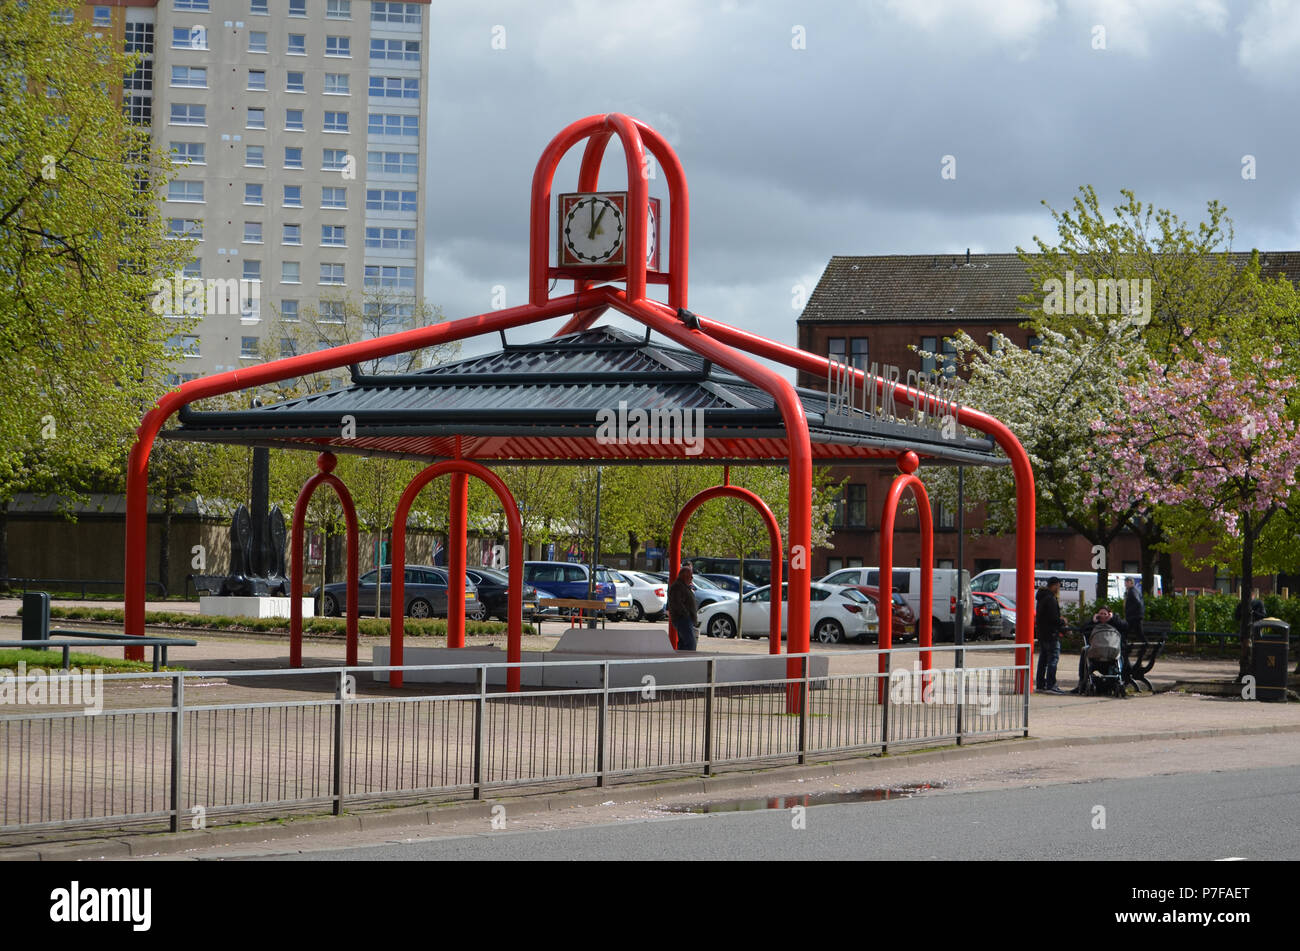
(338, 46)
(257, 80)
(252, 270)
(336, 84)
(291, 234)
(139, 110)
(391, 239)
(943, 516)
(390, 277)
(193, 268)
(185, 228)
(333, 311)
(293, 120)
(389, 317)
(297, 8)
(392, 163)
(248, 348)
(189, 38)
(257, 41)
(184, 191)
(334, 160)
(1035, 344)
(141, 77)
(186, 345)
(193, 76)
(258, 8)
(996, 342)
(338, 9)
(188, 113)
(289, 310)
(987, 564)
(294, 82)
(331, 273)
(198, 5)
(297, 44)
(394, 87)
(388, 124)
(139, 37)
(292, 157)
(188, 153)
(336, 122)
(332, 236)
(408, 13)
(287, 348)
(931, 346)
(103, 17)
(384, 199)
(290, 272)
(859, 352)
(851, 507)
(255, 156)
(395, 51)
(333, 197)
(835, 349)
(256, 119)
(253, 232)
(293, 196)
(252, 194)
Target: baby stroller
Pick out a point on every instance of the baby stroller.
(1105, 659)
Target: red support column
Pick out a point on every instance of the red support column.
(325, 462)
(907, 464)
(457, 538)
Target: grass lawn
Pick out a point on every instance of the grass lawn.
(53, 660)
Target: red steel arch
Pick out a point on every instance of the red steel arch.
(456, 585)
(325, 462)
(907, 463)
(774, 538)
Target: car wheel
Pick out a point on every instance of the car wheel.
(828, 632)
(330, 606)
(637, 613)
(420, 608)
(478, 614)
(722, 626)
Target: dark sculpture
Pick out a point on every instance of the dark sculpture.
(257, 545)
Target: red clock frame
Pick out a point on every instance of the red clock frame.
(568, 260)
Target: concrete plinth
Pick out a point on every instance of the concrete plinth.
(252, 607)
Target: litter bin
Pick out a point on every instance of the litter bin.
(1272, 638)
(36, 615)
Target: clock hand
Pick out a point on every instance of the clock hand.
(603, 209)
(591, 235)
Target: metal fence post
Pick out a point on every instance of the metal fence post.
(803, 713)
(708, 718)
(961, 690)
(603, 712)
(480, 716)
(884, 714)
(340, 721)
(1025, 681)
(178, 749)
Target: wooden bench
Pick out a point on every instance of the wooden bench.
(579, 604)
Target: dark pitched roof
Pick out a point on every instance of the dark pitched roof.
(913, 288)
(540, 402)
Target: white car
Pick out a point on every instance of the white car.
(838, 613)
(622, 590)
(649, 596)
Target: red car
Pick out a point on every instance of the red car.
(904, 618)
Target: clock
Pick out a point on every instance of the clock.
(593, 229)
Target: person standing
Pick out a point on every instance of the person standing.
(1133, 608)
(682, 608)
(1047, 625)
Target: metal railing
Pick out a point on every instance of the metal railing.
(183, 762)
(68, 584)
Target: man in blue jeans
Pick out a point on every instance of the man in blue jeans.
(1047, 625)
(682, 608)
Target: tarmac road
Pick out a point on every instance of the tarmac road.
(1246, 814)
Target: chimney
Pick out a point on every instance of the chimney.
(968, 255)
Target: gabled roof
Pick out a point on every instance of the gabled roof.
(947, 288)
(542, 402)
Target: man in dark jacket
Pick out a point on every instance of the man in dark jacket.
(1048, 626)
(682, 608)
(1133, 608)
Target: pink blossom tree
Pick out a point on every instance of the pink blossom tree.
(1210, 435)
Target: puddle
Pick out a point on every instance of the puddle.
(808, 799)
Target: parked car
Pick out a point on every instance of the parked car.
(425, 593)
(649, 596)
(907, 581)
(987, 614)
(622, 589)
(903, 618)
(838, 613)
(493, 586)
(566, 579)
(730, 583)
(1008, 605)
(706, 592)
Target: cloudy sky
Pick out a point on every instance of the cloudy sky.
(796, 154)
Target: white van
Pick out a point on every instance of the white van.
(1002, 581)
(907, 582)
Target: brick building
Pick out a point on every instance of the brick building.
(878, 309)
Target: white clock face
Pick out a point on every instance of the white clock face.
(651, 235)
(593, 230)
